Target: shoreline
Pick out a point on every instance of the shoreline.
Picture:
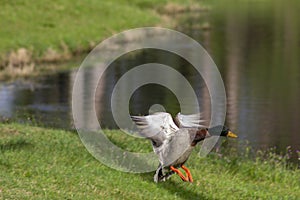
(22, 62)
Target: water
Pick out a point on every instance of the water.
(256, 46)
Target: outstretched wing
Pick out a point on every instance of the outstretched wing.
(189, 121)
(157, 127)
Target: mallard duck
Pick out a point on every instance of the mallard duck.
(173, 141)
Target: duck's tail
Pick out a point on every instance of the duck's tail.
(159, 176)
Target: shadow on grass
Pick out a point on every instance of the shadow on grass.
(14, 144)
(11, 145)
(183, 191)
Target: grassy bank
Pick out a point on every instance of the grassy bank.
(51, 31)
(39, 163)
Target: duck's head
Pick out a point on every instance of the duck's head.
(220, 130)
(225, 131)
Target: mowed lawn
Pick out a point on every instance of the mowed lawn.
(75, 25)
(38, 32)
(43, 163)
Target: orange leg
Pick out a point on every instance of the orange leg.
(188, 173)
(179, 173)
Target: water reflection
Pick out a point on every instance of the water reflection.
(147, 95)
(6, 101)
(256, 47)
(44, 100)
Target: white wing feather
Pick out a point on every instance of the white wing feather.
(157, 127)
(189, 121)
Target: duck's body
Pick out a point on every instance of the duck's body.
(176, 150)
(172, 141)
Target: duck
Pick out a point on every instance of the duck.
(174, 140)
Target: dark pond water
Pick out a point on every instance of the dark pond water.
(256, 47)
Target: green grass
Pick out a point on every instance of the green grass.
(42, 163)
(61, 30)
(44, 24)
(52, 24)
